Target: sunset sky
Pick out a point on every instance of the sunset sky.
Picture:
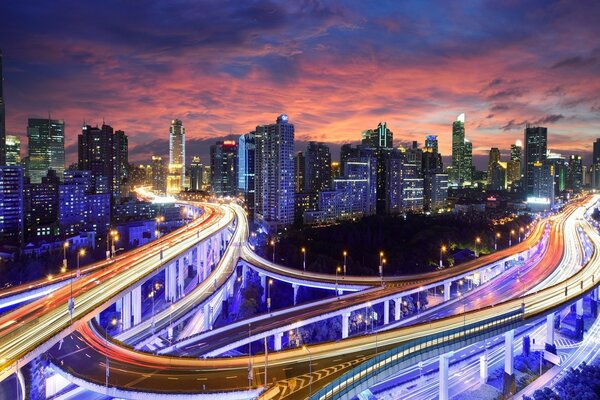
(336, 68)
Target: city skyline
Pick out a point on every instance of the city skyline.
(411, 68)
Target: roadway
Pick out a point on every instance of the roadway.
(160, 372)
(34, 327)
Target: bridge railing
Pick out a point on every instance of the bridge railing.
(388, 362)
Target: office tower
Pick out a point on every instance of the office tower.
(299, 172)
(206, 176)
(13, 150)
(176, 178)
(404, 184)
(246, 169)
(494, 158)
(11, 199)
(575, 173)
(2, 117)
(560, 170)
(438, 197)
(120, 163)
(46, 147)
(274, 196)
(513, 171)
(224, 167)
(196, 168)
(159, 175)
(462, 154)
(96, 153)
(535, 152)
(595, 167)
(41, 206)
(543, 183)
(381, 137)
(497, 173)
(335, 170)
(318, 167)
(431, 142)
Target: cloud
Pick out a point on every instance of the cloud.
(574, 62)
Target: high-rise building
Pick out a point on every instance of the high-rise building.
(97, 153)
(206, 176)
(543, 184)
(318, 167)
(299, 172)
(462, 154)
(536, 141)
(46, 147)
(379, 142)
(513, 169)
(494, 158)
(560, 170)
(224, 167)
(159, 175)
(275, 174)
(431, 142)
(196, 169)
(176, 178)
(575, 173)
(120, 163)
(41, 206)
(11, 201)
(438, 198)
(2, 117)
(335, 170)
(404, 183)
(595, 167)
(381, 137)
(246, 169)
(13, 150)
(497, 176)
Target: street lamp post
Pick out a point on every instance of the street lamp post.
(309, 370)
(64, 267)
(521, 230)
(273, 244)
(442, 250)
(80, 253)
(496, 237)
(477, 241)
(345, 254)
(113, 322)
(304, 259)
(512, 232)
(382, 265)
(337, 271)
(269, 295)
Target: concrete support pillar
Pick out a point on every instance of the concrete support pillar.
(508, 352)
(230, 288)
(579, 307)
(444, 366)
(295, 293)
(136, 305)
(180, 276)
(126, 315)
(207, 317)
(119, 306)
(386, 312)
(245, 276)
(447, 286)
(550, 330)
(483, 368)
(263, 283)
(397, 310)
(277, 341)
(170, 283)
(345, 325)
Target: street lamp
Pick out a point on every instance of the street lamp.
(512, 232)
(309, 369)
(345, 254)
(521, 230)
(269, 295)
(80, 254)
(496, 240)
(382, 265)
(442, 251)
(304, 261)
(113, 322)
(64, 267)
(337, 271)
(273, 244)
(477, 241)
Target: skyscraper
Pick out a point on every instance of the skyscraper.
(431, 142)
(246, 169)
(318, 167)
(381, 137)
(46, 147)
(535, 152)
(462, 154)
(96, 153)
(275, 174)
(513, 172)
(196, 168)
(13, 150)
(176, 178)
(595, 168)
(299, 172)
(224, 167)
(494, 158)
(120, 163)
(575, 173)
(11, 199)
(159, 175)
(41, 206)
(2, 118)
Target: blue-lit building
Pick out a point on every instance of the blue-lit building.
(246, 165)
(224, 167)
(11, 204)
(404, 184)
(274, 189)
(41, 207)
